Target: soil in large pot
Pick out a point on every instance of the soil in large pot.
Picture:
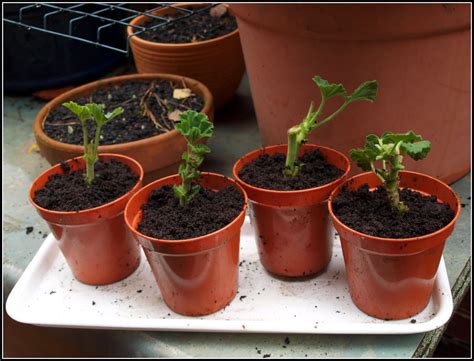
(370, 212)
(205, 25)
(150, 108)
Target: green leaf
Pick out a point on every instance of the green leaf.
(329, 90)
(417, 150)
(194, 191)
(116, 112)
(200, 149)
(179, 191)
(194, 135)
(365, 91)
(82, 111)
(408, 137)
(182, 169)
(97, 111)
(194, 126)
(363, 158)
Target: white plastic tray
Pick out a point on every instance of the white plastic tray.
(47, 294)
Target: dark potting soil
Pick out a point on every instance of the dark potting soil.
(69, 191)
(370, 213)
(207, 212)
(188, 29)
(266, 172)
(146, 104)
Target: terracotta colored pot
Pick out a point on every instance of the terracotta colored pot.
(393, 278)
(292, 228)
(196, 276)
(403, 46)
(159, 155)
(218, 63)
(96, 243)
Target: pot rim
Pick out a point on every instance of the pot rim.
(145, 43)
(294, 192)
(99, 84)
(179, 242)
(395, 240)
(88, 210)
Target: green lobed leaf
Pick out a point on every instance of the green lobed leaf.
(81, 111)
(200, 148)
(194, 126)
(327, 89)
(182, 169)
(408, 137)
(412, 144)
(179, 191)
(116, 112)
(366, 91)
(363, 158)
(194, 191)
(416, 150)
(97, 111)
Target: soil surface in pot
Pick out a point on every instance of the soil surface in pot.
(68, 191)
(370, 212)
(207, 212)
(266, 172)
(149, 109)
(209, 24)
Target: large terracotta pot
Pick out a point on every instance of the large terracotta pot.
(292, 228)
(393, 278)
(97, 245)
(159, 155)
(196, 276)
(420, 55)
(218, 63)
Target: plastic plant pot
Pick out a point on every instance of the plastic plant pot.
(390, 278)
(218, 62)
(292, 228)
(96, 243)
(196, 276)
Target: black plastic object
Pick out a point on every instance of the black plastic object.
(36, 60)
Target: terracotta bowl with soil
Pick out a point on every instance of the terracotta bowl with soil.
(144, 132)
(198, 46)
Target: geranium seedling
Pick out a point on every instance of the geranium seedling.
(297, 135)
(194, 127)
(86, 112)
(390, 149)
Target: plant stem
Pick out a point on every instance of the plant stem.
(88, 157)
(293, 149)
(87, 154)
(392, 184)
(333, 115)
(186, 180)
